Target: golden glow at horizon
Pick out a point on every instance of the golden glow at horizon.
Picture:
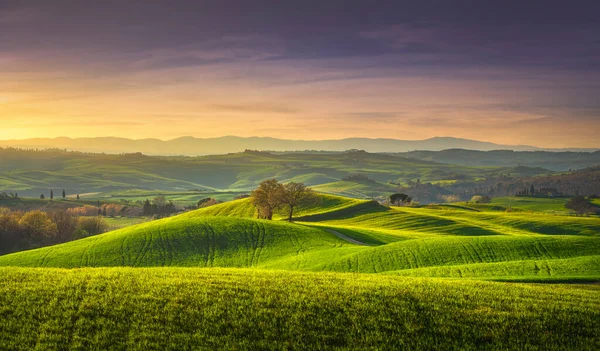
(282, 102)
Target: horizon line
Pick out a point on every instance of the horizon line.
(301, 140)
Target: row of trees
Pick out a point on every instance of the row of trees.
(64, 195)
(272, 196)
(27, 230)
(158, 207)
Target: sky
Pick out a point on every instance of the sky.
(510, 72)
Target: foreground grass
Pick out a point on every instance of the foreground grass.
(188, 308)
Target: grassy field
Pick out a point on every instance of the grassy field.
(115, 223)
(517, 204)
(182, 198)
(347, 274)
(178, 308)
(531, 203)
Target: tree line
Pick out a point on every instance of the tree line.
(158, 207)
(28, 230)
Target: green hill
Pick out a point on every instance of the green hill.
(181, 241)
(326, 237)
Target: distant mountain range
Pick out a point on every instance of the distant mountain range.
(555, 161)
(190, 146)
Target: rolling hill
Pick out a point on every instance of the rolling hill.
(31, 173)
(347, 274)
(324, 238)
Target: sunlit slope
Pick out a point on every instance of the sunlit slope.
(570, 269)
(406, 241)
(181, 241)
(456, 251)
(237, 208)
(420, 222)
(236, 242)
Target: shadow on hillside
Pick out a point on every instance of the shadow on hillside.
(344, 213)
(550, 280)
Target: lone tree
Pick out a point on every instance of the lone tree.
(399, 199)
(42, 196)
(51, 194)
(64, 194)
(267, 198)
(77, 196)
(295, 195)
(271, 196)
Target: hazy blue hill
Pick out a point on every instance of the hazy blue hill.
(198, 146)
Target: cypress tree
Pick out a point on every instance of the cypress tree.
(51, 194)
(64, 194)
(147, 208)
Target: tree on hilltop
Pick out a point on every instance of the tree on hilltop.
(295, 195)
(267, 198)
(271, 196)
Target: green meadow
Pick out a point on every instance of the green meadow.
(346, 274)
(250, 309)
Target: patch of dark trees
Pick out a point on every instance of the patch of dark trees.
(158, 207)
(33, 229)
(358, 178)
(582, 205)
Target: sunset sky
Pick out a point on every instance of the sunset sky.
(522, 72)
